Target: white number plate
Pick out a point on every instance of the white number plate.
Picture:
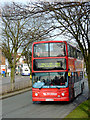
(49, 99)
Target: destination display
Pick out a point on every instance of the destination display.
(49, 64)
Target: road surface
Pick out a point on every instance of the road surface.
(20, 106)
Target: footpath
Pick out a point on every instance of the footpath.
(14, 93)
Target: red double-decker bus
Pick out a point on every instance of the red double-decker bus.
(57, 71)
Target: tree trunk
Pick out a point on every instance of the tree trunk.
(89, 74)
(12, 78)
(88, 83)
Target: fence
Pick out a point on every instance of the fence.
(7, 88)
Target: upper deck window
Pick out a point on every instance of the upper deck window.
(57, 49)
(49, 49)
(41, 50)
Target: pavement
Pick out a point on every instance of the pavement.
(15, 93)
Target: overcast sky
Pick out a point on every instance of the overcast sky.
(25, 1)
(19, 1)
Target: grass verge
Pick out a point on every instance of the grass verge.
(82, 111)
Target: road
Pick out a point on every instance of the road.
(20, 106)
(18, 78)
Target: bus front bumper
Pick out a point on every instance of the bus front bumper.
(51, 99)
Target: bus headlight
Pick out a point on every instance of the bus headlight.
(36, 94)
(62, 94)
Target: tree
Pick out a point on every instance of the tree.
(12, 40)
(17, 34)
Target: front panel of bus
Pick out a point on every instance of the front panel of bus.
(49, 71)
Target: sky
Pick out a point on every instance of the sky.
(24, 1)
(18, 1)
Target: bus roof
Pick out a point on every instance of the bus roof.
(48, 42)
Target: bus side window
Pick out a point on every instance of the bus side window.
(76, 77)
(69, 51)
(64, 50)
(74, 51)
(81, 75)
(81, 56)
(78, 54)
(72, 77)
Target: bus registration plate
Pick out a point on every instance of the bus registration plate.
(49, 99)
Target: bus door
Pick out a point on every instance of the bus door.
(71, 84)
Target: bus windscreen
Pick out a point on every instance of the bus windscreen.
(50, 64)
(53, 80)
